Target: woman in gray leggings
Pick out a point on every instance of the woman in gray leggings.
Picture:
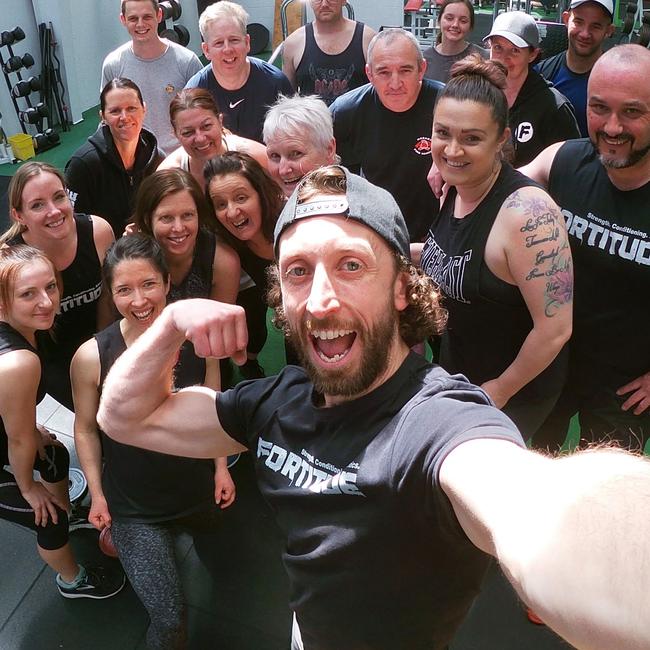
(145, 497)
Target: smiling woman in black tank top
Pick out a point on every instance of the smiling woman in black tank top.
(29, 299)
(76, 243)
(142, 496)
(499, 252)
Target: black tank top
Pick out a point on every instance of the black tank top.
(609, 232)
(10, 341)
(198, 282)
(142, 485)
(76, 321)
(255, 266)
(331, 75)
(488, 318)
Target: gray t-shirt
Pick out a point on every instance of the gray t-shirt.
(158, 79)
(438, 65)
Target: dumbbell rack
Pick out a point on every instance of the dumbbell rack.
(33, 114)
(171, 9)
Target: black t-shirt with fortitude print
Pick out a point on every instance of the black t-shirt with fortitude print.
(375, 555)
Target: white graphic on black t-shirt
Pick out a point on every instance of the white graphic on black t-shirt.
(621, 241)
(307, 472)
(447, 270)
(81, 298)
(524, 132)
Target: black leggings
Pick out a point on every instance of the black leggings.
(13, 507)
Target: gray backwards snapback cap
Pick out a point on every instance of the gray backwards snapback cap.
(518, 27)
(364, 202)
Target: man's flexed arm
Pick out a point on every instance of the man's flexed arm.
(138, 406)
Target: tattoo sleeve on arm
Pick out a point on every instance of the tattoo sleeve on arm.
(544, 232)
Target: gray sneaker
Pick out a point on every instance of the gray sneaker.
(98, 583)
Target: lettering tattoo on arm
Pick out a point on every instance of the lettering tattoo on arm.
(544, 232)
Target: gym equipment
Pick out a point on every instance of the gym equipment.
(15, 63)
(644, 32)
(166, 9)
(259, 37)
(24, 88)
(53, 90)
(46, 140)
(169, 34)
(183, 34)
(630, 18)
(553, 38)
(52, 136)
(106, 542)
(77, 485)
(34, 114)
(171, 9)
(178, 34)
(5, 156)
(14, 36)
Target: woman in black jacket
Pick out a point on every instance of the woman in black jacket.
(104, 174)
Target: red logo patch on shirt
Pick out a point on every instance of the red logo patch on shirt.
(422, 146)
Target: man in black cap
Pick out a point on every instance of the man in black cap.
(392, 480)
(589, 23)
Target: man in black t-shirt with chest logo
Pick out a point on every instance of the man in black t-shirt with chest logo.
(392, 480)
(602, 185)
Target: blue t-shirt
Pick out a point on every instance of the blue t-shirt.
(244, 109)
(571, 84)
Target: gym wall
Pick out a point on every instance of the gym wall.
(18, 13)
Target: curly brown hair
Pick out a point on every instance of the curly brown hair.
(422, 318)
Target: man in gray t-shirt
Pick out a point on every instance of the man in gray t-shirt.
(159, 67)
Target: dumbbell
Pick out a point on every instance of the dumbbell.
(52, 136)
(35, 114)
(183, 34)
(166, 9)
(178, 34)
(630, 17)
(24, 88)
(15, 63)
(14, 36)
(47, 139)
(171, 9)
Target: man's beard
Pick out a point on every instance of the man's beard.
(590, 50)
(635, 156)
(375, 356)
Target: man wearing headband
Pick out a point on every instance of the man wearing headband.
(393, 481)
